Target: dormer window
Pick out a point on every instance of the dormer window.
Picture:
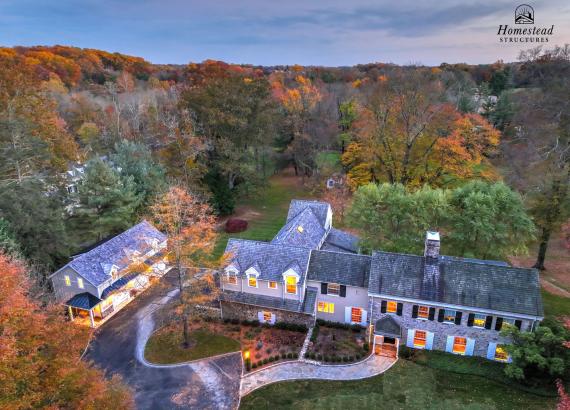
(232, 279)
(291, 285)
(252, 281)
(231, 275)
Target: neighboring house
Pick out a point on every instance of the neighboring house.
(311, 270)
(97, 283)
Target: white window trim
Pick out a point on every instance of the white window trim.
(67, 280)
(269, 284)
(426, 339)
(394, 312)
(453, 344)
(80, 283)
(421, 318)
(452, 322)
(256, 281)
(475, 317)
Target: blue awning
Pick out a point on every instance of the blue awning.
(85, 301)
(118, 284)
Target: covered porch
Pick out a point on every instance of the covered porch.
(387, 335)
(85, 308)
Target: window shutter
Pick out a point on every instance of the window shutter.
(491, 351)
(324, 287)
(431, 313)
(399, 308)
(410, 340)
(383, 307)
(429, 341)
(499, 323)
(347, 314)
(260, 317)
(342, 291)
(518, 324)
(272, 321)
(470, 319)
(458, 317)
(440, 315)
(364, 317)
(449, 344)
(470, 347)
(414, 311)
(488, 322)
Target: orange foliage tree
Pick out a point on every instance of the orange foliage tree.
(189, 224)
(40, 364)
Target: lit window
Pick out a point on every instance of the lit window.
(80, 283)
(232, 279)
(423, 312)
(252, 281)
(509, 322)
(300, 229)
(501, 354)
(356, 315)
(479, 321)
(459, 345)
(67, 281)
(291, 283)
(449, 316)
(267, 316)
(391, 306)
(325, 307)
(272, 285)
(420, 338)
(333, 289)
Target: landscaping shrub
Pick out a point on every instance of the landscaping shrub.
(259, 363)
(265, 360)
(295, 355)
(276, 358)
(248, 364)
(235, 321)
(345, 359)
(406, 352)
(327, 359)
(315, 334)
(321, 322)
(226, 320)
(284, 355)
(335, 325)
(289, 355)
(358, 356)
(320, 357)
(356, 328)
(351, 358)
(268, 351)
(365, 347)
(291, 326)
(270, 359)
(235, 225)
(254, 365)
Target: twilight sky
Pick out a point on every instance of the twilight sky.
(269, 32)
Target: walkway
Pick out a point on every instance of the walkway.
(372, 366)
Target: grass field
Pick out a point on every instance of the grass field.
(165, 346)
(406, 385)
(267, 212)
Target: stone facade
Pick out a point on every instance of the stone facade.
(232, 310)
(441, 330)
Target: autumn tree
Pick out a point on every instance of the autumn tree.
(189, 223)
(40, 354)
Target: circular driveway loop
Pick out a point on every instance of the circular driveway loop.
(118, 347)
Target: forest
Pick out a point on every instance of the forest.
(92, 141)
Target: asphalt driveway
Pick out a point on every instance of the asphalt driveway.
(118, 346)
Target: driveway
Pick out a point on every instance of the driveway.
(118, 347)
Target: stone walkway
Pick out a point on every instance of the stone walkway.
(306, 343)
(372, 366)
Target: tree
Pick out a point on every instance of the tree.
(40, 354)
(480, 219)
(107, 202)
(488, 221)
(135, 160)
(8, 244)
(538, 354)
(36, 223)
(190, 226)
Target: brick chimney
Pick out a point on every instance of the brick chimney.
(430, 288)
(432, 244)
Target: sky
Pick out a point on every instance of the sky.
(273, 32)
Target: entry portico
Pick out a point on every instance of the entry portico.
(387, 335)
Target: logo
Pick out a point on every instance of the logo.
(524, 14)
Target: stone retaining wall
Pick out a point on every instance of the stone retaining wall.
(232, 310)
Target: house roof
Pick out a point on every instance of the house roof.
(95, 265)
(272, 260)
(85, 301)
(340, 241)
(320, 209)
(387, 326)
(457, 282)
(304, 231)
(343, 268)
(306, 306)
(118, 284)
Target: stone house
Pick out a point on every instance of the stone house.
(97, 283)
(311, 270)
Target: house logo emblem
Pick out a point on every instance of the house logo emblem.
(524, 14)
(524, 31)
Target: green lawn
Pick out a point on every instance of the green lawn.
(271, 204)
(406, 385)
(165, 346)
(555, 305)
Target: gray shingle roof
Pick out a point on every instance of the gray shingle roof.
(320, 209)
(387, 326)
(304, 230)
(95, 265)
(273, 260)
(85, 301)
(461, 282)
(307, 306)
(340, 241)
(343, 268)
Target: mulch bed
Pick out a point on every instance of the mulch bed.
(338, 345)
